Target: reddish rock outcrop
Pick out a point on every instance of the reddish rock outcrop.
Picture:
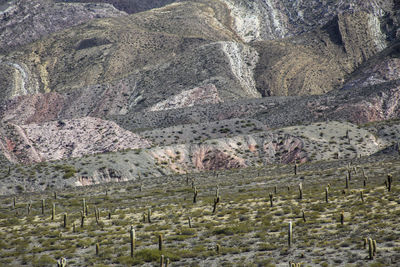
(209, 158)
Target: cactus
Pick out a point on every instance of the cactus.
(62, 262)
(144, 217)
(342, 218)
(295, 168)
(29, 207)
(109, 215)
(87, 210)
(162, 261)
(195, 192)
(97, 249)
(217, 192)
(300, 191)
(303, 215)
(290, 234)
(389, 182)
(53, 212)
(349, 174)
(271, 199)
(216, 201)
(190, 222)
(370, 249)
(275, 190)
(133, 240)
(365, 242)
(167, 262)
(55, 195)
(362, 196)
(374, 247)
(43, 206)
(65, 220)
(218, 248)
(347, 182)
(149, 215)
(326, 195)
(160, 242)
(74, 227)
(84, 206)
(14, 202)
(83, 216)
(365, 183)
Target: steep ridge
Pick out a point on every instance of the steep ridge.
(26, 21)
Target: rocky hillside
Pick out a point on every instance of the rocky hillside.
(118, 90)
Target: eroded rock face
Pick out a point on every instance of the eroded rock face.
(273, 19)
(65, 139)
(209, 158)
(102, 175)
(207, 94)
(284, 150)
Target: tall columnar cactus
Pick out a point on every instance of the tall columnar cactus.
(290, 234)
(275, 190)
(149, 215)
(303, 215)
(55, 195)
(84, 206)
(296, 166)
(195, 192)
(218, 248)
(160, 242)
(97, 249)
(83, 217)
(133, 240)
(374, 247)
(365, 242)
(167, 261)
(162, 261)
(190, 222)
(53, 212)
(349, 174)
(14, 202)
(362, 196)
(389, 182)
(326, 195)
(217, 192)
(43, 206)
(29, 207)
(371, 249)
(347, 182)
(300, 191)
(65, 220)
(62, 262)
(271, 199)
(216, 201)
(342, 218)
(74, 227)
